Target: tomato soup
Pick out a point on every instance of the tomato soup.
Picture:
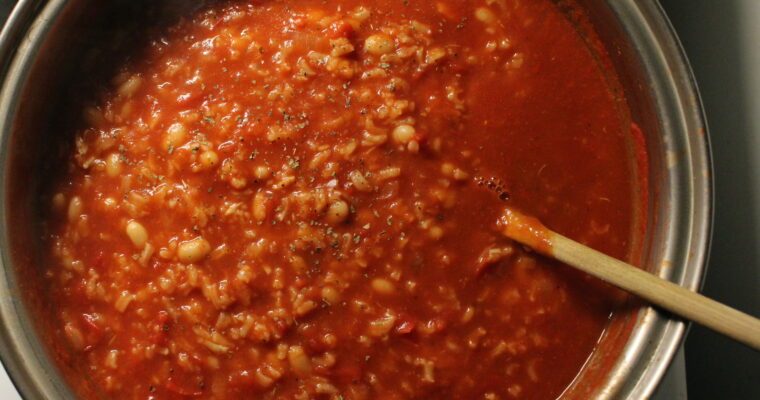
(299, 200)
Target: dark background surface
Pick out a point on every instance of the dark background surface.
(722, 40)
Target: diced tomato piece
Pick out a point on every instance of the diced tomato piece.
(299, 282)
(298, 22)
(181, 389)
(91, 322)
(340, 29)
(242, 378)
(189, 96)
(436, 325)
(322, 370)
(94, 330)
(491, 256)
(405, 327)
(228, 147)
(161, 328)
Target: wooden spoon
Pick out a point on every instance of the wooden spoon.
(665, 294)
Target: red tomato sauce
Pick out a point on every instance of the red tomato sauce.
(299, 200)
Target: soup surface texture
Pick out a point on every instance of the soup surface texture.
(299, 200)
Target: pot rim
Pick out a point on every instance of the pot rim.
(689, 199)
(676, 99)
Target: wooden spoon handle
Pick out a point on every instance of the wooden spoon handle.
(669, 296)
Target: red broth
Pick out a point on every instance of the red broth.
(298, 200)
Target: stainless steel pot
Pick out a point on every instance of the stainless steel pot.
(44, 41)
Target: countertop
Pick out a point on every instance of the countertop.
(722, 40)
